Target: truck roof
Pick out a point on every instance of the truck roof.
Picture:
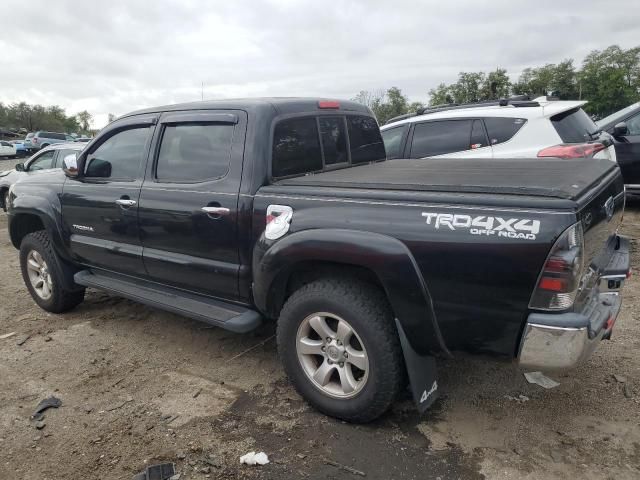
(278, 105)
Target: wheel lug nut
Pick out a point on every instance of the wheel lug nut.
(323, 348)
(328, 339)
(339, 342)
(346, 354)
(341, 364)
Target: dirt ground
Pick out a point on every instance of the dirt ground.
(140, 386)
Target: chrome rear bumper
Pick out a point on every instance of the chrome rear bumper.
(560, 341)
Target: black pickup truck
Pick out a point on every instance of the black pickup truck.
(239, 212)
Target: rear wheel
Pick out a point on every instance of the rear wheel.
(43, 275)
(339, 347)
(5, 200)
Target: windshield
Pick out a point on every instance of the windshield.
(620, 114)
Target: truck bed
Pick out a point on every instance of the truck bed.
(540, 177)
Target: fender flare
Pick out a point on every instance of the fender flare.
(50, 217)
(388, 258)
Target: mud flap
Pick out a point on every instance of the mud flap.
(422, 373)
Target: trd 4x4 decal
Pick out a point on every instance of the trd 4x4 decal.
(523, 228)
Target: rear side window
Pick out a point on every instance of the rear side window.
(194, 152)
(439, 138)
(392, 139)
(478, 138)
(296, 147)
(502, 129)
(573, 126)
(56, 136)
(334, 140)
(365, 140)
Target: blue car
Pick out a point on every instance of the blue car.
(21, 149)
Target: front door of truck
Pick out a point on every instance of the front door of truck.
(628, 151)
(100, 209)
(189, 201)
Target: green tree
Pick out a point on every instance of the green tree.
(610, 79)
(496, 85)
(386, 105)
(440, 95)
(467, 88)
(84, 119)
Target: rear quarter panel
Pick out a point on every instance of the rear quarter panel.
(480, 282)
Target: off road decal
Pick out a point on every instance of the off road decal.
(518, 228)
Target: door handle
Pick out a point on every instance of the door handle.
(216, 210)
(124, 202)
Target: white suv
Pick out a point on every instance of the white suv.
(507, 128)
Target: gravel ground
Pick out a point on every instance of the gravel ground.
(140, 386)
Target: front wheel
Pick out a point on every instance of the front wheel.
(43, 275)
(340, 349)
(5, 201)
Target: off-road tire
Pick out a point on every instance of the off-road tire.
(366, 309)
(61, 299)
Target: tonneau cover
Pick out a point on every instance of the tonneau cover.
(544, 177)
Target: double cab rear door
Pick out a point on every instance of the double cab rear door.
(159, 200)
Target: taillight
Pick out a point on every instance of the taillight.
(581, 150)
(329, 104)
(560, 277)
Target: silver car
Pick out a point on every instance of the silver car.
(47, 159)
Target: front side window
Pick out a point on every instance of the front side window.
(120, 156)
(440, 138)
(64, 153)
(633, 125)
(43, 162)
(334, 140)
(392, 139)
(296, 147)
(365, 139)
(194, 152)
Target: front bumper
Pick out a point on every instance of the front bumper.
(560, 341)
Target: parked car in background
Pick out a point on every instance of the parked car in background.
(511, 128)
(42, 139)
(7, 150)
(624, 126)
(46, 159)
(21, 150)
(27, 142)
(83, 139)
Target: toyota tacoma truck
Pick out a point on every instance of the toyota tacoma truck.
(241, 212)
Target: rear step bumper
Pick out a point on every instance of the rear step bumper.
(561, 341)
(228, 316)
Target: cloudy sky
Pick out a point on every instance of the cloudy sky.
(119, 55)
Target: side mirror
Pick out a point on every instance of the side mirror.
(20, 167)
(70, 166)
(620, 130)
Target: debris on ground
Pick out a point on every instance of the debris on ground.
(540, 379)
(345, 468)
(7, 335)
(40, 425)
(519, 398)
(119, 405)
(51, 402)
(620, 378)
(198, 392)
(253, 458)
(22, 340)
(162, 471)
(627, 390)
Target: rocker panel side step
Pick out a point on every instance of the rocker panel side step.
(221, 314)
